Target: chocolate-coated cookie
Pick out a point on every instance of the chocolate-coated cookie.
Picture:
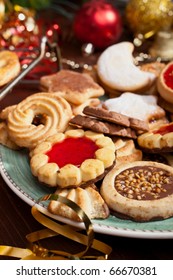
(102, 126)
(114, 117)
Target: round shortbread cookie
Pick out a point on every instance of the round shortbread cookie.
(141, 191)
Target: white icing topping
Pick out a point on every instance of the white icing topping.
(134, 105)
(116, 68)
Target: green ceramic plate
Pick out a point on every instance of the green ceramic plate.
(15, 170)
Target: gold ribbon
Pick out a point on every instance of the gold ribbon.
(35, 251)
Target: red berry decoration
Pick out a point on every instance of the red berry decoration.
(98, 23)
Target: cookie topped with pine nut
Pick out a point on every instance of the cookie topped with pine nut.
(73, 158)
(141, 191)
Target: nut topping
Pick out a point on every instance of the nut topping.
(144, 183)
(141, 191)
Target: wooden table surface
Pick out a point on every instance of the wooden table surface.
(16, 220)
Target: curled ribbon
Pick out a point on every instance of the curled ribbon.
(36, 251)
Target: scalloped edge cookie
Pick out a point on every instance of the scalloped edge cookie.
(69, 175)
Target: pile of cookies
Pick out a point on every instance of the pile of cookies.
(9, 69)
(111, 155)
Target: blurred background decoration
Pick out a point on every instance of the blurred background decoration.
(93, 24)
(21, 23)
(22, 26)
(152, 19)
(99, 23)
(95, 21)
(146, 17)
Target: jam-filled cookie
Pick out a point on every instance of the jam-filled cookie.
(158, 140)
(73, 158)
(141, 191)
(165, 83)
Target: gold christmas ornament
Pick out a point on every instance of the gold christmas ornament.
(145, 17)
(2, 10)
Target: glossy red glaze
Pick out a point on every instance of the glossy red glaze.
(72, 151)
(164, 129)
(168, 76)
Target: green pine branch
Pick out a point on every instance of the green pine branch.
(42, 4)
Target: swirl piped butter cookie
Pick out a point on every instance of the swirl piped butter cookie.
(73, 158)
(37, 117)
(141, 191)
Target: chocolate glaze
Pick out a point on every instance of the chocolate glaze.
(159, 189)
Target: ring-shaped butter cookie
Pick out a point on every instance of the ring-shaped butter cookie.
(37, 117)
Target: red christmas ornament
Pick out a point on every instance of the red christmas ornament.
(99, 23)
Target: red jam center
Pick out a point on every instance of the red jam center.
(164, 129)
(168, 76)
(72, 151)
